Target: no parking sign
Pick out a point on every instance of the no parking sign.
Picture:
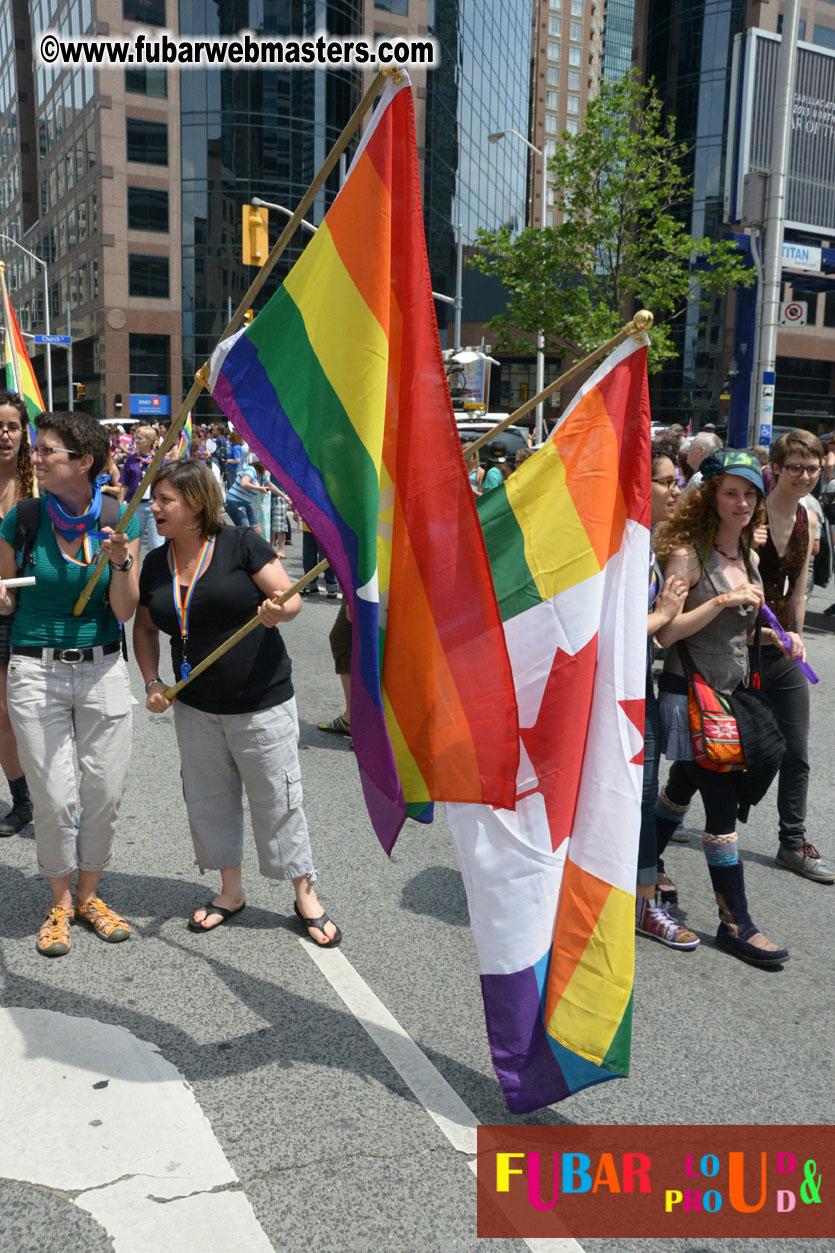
(794, 313)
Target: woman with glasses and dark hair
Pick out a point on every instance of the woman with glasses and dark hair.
(796, 460)
(15, 484)
(68, 685)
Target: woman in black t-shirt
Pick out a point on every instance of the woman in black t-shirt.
(236, 724)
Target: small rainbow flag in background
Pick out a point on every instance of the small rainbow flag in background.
(184, 447)
(551, 886)
(20, 377)
(338, 386)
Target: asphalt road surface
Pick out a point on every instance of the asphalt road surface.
(241, 1089)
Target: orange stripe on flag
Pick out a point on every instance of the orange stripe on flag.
(582, 897)
(360, 250)
(587, 438)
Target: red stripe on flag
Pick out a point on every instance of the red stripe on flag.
(438, 506)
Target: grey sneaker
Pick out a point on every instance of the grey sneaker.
(806, 861)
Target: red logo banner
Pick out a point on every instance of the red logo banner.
(652, 1182)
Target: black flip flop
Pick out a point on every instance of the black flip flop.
(319, 923)
(211, 908)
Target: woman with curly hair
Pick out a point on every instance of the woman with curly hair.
(15, 484)
(708, 544)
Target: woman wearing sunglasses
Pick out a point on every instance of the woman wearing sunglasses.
(68, 685)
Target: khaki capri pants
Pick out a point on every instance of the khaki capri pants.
(55, 706)
(223, 754)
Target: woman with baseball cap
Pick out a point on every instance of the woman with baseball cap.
(707, 544)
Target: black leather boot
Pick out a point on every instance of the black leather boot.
(20, 814)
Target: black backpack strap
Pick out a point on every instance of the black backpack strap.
(26, 531)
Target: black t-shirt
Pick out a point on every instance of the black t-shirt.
(255, 672)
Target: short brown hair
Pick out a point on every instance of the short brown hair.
(797, 443)
(200, 489)
(83, 435)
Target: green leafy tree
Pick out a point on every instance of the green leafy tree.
(622, 244)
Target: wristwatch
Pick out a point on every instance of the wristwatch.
(126, 565)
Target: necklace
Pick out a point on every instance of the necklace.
(731, 557)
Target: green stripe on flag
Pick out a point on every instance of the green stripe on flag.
(319, 419)
(617, 1057)
(516, 588)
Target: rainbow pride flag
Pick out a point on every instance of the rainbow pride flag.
(551, 885)
(20, 377)
(338, 386)
(184, 446)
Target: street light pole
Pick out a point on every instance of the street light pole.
(540, 335)
(765, 380)
(42, 263)
(258, 203)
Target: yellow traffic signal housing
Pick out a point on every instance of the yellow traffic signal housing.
(79, 391)
(255, 236)
(248, 316)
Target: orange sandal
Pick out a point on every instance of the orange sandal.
(54, 936)
(106, 924)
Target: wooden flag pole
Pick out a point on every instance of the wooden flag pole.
(202, 376)
(171, 692)
(642, 321)
(135, 500)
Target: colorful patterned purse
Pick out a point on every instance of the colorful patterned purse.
(713, 727)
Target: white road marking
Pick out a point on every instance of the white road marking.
(105, 1118)
(441, 1102)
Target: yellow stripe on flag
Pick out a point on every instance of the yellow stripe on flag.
(589, 1012)
(346, 337)
(558, 550)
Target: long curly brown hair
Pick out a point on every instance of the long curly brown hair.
(25, 473)
(696, 521)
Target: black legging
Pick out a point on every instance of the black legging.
(716, 789)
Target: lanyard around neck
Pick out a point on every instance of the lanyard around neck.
(183, 594)
(86, 550)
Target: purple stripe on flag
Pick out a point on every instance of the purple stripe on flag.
(533, 1069)
(378, 772)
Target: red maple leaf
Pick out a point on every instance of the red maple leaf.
(556, 742)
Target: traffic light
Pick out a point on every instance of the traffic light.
(248, 316)
(79, 391)
(255, 236)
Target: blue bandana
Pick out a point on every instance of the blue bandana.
(71, 527)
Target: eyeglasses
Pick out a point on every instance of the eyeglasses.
(46, 450)
(796, 470)
(669, 483)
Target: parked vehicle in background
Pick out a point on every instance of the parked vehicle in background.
(514, 438)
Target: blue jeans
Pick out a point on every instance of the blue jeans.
(311, 556)
(241, 512)
(148, 527)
